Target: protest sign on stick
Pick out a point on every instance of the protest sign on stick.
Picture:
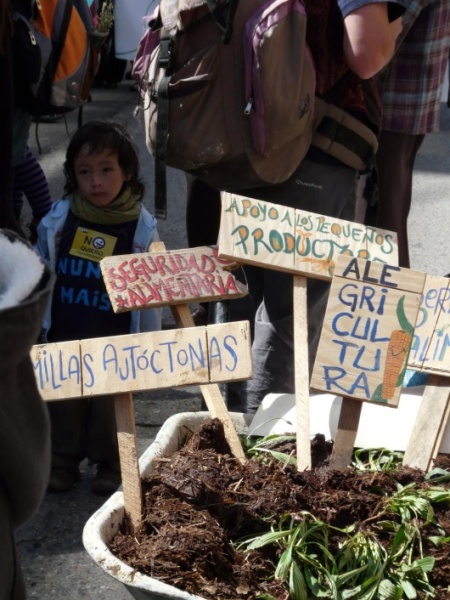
(366, 338)
(128, 363)
(430, 353)
(120, 365)
(163, 277)
(304, 244)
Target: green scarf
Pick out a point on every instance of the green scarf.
(123, 209)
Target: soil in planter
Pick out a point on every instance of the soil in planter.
(201, 498)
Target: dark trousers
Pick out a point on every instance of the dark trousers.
(84, 428)
(395, 161)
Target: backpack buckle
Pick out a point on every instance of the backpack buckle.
(165, 52)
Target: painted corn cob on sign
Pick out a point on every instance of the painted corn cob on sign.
(296, 241)
(368, 330)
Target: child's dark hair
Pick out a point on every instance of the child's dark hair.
(98, 136)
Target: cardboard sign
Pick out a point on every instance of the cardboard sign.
(368, 331)
(196, 355)
(147, 280)
(430, 350)
(277, 237)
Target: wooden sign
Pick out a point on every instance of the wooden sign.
(128, 363)
(430, 350)
(147, 280)
(368, 331)
(281, 238)
(58, 370)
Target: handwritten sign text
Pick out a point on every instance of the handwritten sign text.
(194, 355)
(278, 237)
(368, 330)
(150, 279)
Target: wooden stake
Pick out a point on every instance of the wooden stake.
(301, 363)
(346, 433)
(129, 464)
(211, 392)
(431, 421)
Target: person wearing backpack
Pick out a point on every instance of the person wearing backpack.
(350, 41)
(102, 209)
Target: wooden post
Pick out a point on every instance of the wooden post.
(129, 464)
(366, 337)
(347, 430)
(430, 424)
(301, 374)
(211, 392)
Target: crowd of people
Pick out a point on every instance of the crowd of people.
(397, 48)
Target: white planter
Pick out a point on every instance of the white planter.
(104, 524)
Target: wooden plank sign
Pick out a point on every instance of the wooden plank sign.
(58, 370)
(306, 245)
(430, 351)
(136, 362)
(147, 280)
(281, 238)
(368, 331)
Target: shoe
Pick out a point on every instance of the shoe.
(62, 479)
(106, 481)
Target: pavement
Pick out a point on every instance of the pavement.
(54, 561)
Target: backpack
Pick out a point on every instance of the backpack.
(54, 56)
(229, 93)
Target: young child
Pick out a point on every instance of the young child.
(102, 204)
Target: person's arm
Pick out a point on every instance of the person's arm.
(369, 38)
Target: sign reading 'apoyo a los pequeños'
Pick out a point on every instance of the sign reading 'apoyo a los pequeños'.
(303, 243)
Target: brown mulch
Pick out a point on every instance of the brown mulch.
(201, 498)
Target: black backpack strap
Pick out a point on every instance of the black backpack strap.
(162, 126)
(342, 135)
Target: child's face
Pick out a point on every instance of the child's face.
(99, 176)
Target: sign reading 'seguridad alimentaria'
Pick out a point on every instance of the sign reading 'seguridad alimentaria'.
(304, 243)
(143, 361)
(150, 279)
(368, 330)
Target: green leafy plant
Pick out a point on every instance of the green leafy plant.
(258, 447)
(105, 18)
(376, 459)
(317, 560)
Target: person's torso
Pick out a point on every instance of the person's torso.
(80, 306)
